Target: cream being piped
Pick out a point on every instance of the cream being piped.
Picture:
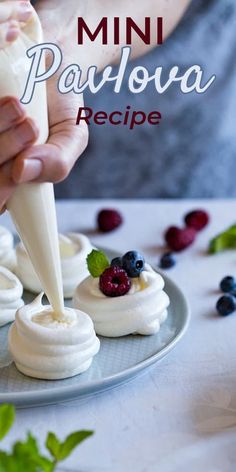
(32, 205)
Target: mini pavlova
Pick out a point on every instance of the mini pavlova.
(123, 297)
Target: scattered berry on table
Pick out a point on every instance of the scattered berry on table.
(133, 262)
(226, 305)
(179, 239)
(117, 261)
(228, 284)
(109, 219)
(197, 219)
(167, 260)
(114, 282)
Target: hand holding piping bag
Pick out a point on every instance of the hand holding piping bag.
(21, 160)
(30, 203)
(16, 130)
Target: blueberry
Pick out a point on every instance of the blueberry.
(226, 305)
(133, 263)
(228, 284)
(117, 261)
(167, 260)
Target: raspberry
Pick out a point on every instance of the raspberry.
(179, 239)
(109, 219)
(114, 282)
(197, 219)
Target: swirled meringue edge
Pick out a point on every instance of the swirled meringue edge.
(56, 351)
(141, 311)
(11, 291)
(7, 251)
(74, 268)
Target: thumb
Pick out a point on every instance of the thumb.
(53, 161)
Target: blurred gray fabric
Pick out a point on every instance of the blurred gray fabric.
(192, 153)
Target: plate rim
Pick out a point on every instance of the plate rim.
(70, 392)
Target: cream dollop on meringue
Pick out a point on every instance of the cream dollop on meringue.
(142, 310)
(44, 348)
(11, 291)
(7, 251)
(74, 248)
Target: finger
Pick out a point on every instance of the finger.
(52, 161)
(13, 16)
(9, 32)
(20, 11)
(11, 113)
(14, 140)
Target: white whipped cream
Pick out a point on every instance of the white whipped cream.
(142, 310)
(74, 248)
(45, 348)
(7, 251)
(10, 296)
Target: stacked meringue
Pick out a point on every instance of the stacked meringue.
(142, 310)
(74, 248)
(45, 348)
(10, 296)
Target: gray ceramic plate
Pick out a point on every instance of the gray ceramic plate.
(118, 360)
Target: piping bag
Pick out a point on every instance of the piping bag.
(32, 206)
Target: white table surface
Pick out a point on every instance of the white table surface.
(180, 414)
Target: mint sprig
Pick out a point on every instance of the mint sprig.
(61, 450)
(26, 456)
(97, 262)
(224, 240)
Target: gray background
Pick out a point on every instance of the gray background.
(192, 152)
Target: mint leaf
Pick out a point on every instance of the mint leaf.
(61, 450)
(224, 240)
(5, 462)
(30, 446)
(97, 262)
(27, 455)
(9, 464)
(53, 445)
(7, 417)
(71, 442)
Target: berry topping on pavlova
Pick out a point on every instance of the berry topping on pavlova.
(123, 297)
